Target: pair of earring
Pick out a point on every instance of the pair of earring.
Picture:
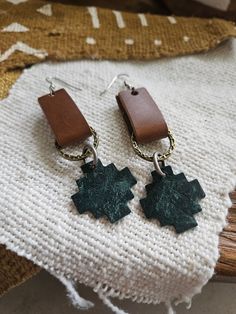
(104, 190)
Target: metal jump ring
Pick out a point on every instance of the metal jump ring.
(92, 149)
(147, 157)
(86, 153)
(157, 165)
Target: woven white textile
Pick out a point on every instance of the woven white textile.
(134, 258)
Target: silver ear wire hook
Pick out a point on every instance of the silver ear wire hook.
(128, 86)
(113, 81)
(52, 87)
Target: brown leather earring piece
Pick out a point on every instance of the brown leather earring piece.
(65, 118)
(142, 116)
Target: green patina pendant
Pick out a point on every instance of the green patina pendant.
(173, 200)
(104, 191)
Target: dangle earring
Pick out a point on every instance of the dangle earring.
(170, 198)
(103, 190)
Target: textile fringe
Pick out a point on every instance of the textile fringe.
(73, 295)
(83, 304)
(110, 305)
(170, 309)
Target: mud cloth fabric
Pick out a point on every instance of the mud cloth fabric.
(33, 31)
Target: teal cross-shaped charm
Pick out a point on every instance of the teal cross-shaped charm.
(173, 200)
(104, 191)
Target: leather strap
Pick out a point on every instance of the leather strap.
(142, 116)
(64, 117)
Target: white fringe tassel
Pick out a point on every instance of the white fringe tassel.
(82, 304)
(109, 304)
(170, 309)
(72, 293)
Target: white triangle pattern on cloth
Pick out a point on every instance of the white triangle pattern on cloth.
(15, 28)
(20, 46)
(46, 10)
(16, 1)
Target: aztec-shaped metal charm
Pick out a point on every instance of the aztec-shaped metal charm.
(173, 200)
(104, 191)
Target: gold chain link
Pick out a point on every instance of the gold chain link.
(83, 156)
(147, 157)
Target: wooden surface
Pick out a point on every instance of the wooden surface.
(226, 265)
